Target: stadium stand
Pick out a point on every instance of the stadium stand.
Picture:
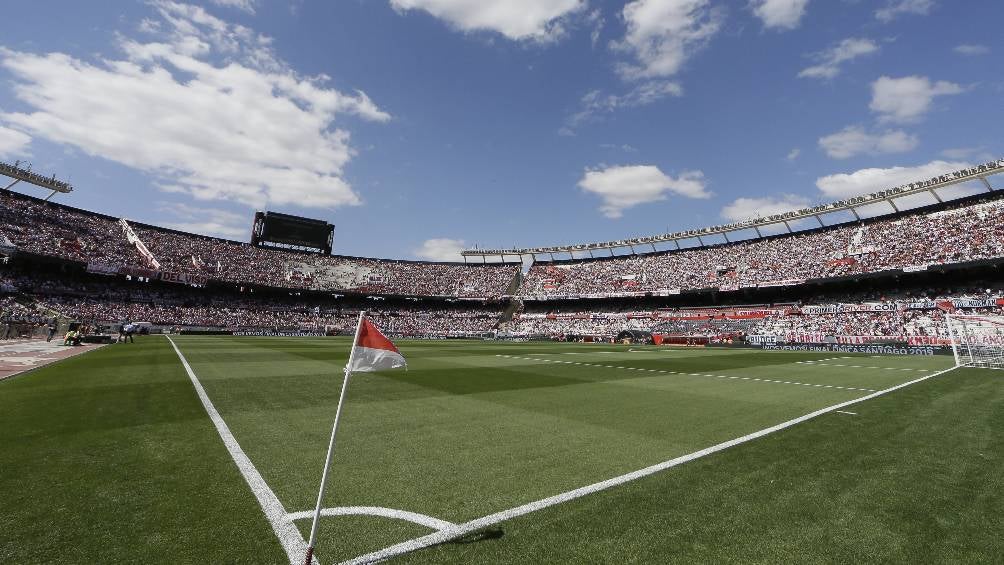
(964, 232)
(99, 270)
(915, 316)
(902, 313)
(43, 228)
(917, 320)
(110, 302)
(46, 229)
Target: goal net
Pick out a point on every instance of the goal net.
(977, 341)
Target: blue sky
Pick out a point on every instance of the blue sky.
(419, 126)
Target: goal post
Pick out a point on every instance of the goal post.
(977, 341)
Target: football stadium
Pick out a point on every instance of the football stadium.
(818, 382)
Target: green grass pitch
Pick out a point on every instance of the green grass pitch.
(110, 457)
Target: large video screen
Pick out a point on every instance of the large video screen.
(296, 231)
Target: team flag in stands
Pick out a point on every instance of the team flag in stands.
(373, 351)
(946, 306)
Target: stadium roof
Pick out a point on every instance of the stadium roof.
(19, 173)
(980, 172)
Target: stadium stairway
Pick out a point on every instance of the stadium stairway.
(514, 304)
(514, 285)
(510, 310)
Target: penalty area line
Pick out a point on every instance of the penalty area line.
(289, 536)
(449, 534)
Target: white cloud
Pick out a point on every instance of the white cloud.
(971, 50)
(628, 186)
(896, 8)
(207, 221)
(779, 14)
(597, 21)
(865, 181)
(743, 208)
(663, 34)
(794, 153)
(13, 142)
(830, 60)
(441, 249)
(625, 147)
(250, 130)
(854, 140)
(248, 6)
(965, 153)
(595, 102)
(538, 20)
(907, 99)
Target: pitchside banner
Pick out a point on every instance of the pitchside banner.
(847, 308)
(272, 333)
(761, 339)
(992, 302)
(184, 278)
(102, 269)
(870, 349)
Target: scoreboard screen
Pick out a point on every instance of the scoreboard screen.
(273, 227)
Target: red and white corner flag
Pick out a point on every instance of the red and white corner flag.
(373, 351)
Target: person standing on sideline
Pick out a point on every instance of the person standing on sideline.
(53, 326)
(129, 330)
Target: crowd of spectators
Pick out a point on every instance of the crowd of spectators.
(244, 263)
(261, 315)
(963, 233)
(11, 310)
(43, 228)
(46, 229)
(113, 301)
(601, 324)
(788, 322)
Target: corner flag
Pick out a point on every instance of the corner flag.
(371, 351)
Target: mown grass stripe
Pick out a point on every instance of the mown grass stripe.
(665, 372)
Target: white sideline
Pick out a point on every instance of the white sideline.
(289, 536)
(414, 517)
(446, 535)
(733, 377)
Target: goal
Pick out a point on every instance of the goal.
(977, 341)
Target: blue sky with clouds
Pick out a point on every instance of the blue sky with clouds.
(419, 126)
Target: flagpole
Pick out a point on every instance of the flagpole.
(331, 444)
